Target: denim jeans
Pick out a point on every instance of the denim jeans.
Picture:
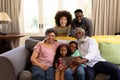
(40, 74)
(104, 68)
(79, 73)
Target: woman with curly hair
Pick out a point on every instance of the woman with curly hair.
(63, 21)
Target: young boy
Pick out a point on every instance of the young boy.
(73, 46)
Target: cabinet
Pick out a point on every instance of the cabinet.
(5, 41)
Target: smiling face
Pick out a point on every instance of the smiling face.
(51, 37)
(63, 51)
(63, 21)
(73, 47)
(80, 33)
(79, 16)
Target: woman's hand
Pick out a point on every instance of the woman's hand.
(44, 67)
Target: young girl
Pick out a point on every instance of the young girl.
(62, 51)
(75, 67)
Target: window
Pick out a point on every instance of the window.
(49, 11)
(43, 11)
(85, 5)
(31, 16)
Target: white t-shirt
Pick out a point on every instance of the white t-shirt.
(89, 50)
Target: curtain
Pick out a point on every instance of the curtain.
(12, 8)
(105, 17)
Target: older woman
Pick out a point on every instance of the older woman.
(63, 20)
(43, 56)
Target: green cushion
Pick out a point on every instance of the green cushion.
(110, 52)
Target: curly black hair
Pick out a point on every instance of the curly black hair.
(74, 43)
(62, 13)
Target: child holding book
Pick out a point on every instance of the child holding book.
(62, 51)
(76, 69)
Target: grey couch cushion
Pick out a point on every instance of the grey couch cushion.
(30, 43)
(40, 38)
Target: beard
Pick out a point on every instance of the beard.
(82, 39)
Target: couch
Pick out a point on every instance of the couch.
(15, 64)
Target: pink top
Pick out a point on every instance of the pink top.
(46, 55)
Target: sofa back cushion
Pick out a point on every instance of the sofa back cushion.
(33, 40)
(110, 52)
(64, 39)
(108, 38)
(30, 43)
(40, 38)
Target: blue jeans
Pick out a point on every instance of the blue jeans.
(40, 74)
(104, 68)
(79, 73)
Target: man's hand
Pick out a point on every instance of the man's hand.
(76, 61)
(79, 61)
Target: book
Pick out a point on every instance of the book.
(66, 60)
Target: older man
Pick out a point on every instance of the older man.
(91, 57)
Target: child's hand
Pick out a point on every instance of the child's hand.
(71, 64)
(62, 67)
(78, 58)
(65, 66)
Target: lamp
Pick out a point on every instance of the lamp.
(4, 18)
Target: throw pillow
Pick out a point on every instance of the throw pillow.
(65, 38)
(107, 38)
(110, 52)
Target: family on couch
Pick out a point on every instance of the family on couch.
(43, 56)
(44, 52)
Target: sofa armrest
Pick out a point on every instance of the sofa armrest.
(6, 69)
(25, 75)
(13, 62)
